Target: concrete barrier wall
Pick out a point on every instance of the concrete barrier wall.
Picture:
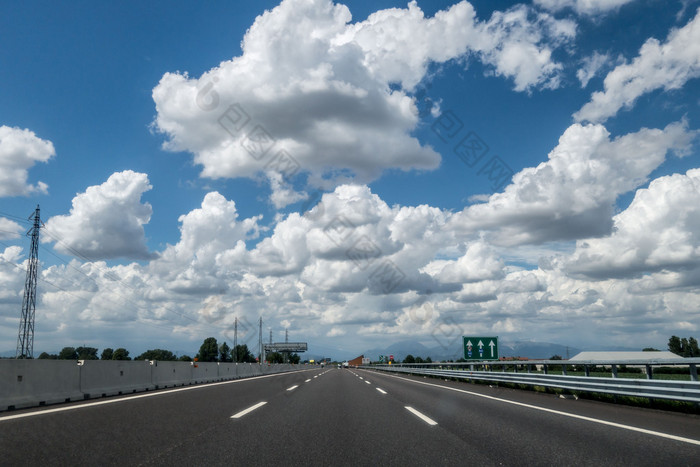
(169, 374)
(111, 377)
(244, 370)
(28, 383)
(205, 372)
(227, 370)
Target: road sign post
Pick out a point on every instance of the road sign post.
(480, 348)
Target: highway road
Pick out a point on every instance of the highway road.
(333, 416)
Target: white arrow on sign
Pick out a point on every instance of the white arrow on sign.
(481, 345)
(492, 345)
(469, 344)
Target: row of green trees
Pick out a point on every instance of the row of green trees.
(411, 359)
(277, 357)
(90, 353)
(684, 347)
(86, 353)
(209, 351)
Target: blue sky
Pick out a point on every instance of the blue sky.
(168, 228)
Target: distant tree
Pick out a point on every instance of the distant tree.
(685, 347)
(224, 352)
(185, 358)
(47, 356)
(649, 349)
(428, 360)
(274, 357)
(294, 359)
(693, 349)
(157, 354)
(250, 358)
(242, 354)
(68, 353)
(555, 367)
(409, 359)
(107, 354)
(209, 350)
(420, 360)
(674, 345)
(121, 354)
(86, 353)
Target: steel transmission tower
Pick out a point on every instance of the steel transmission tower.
(261, 349)
(235, 340)
(25, 338)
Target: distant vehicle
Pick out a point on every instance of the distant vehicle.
(345, 364)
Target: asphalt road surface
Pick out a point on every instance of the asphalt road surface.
(353, 417)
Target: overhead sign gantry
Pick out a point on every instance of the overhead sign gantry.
(286, 347)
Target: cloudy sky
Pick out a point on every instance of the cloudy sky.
(359, 173)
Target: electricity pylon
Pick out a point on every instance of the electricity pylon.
(25, 338)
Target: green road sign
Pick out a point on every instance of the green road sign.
(480, 348)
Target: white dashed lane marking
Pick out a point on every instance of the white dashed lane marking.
(249, 409)
(425, 418)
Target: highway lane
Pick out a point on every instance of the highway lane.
(131, 430)
(335, 419)
(340, 417)
(539, 429)
(655, 420)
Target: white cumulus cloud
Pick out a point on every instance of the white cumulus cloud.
(583, 7)
(668, 65)
(106, 221)
(9, 229)
(19, 151)
(206, 235)
(312, 92)
(519, 43)
(591, 66)
(572, 195)
(659, 230)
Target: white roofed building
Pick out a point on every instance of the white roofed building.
(614, 355)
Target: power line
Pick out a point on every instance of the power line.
(84, 299)
(24, 220)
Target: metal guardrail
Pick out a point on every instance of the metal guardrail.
(688, 391)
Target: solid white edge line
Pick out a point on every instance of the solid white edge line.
(248, 410)
(425, 418)
(160, 392)
(381, 390)
(293, 388)
(565, 414)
